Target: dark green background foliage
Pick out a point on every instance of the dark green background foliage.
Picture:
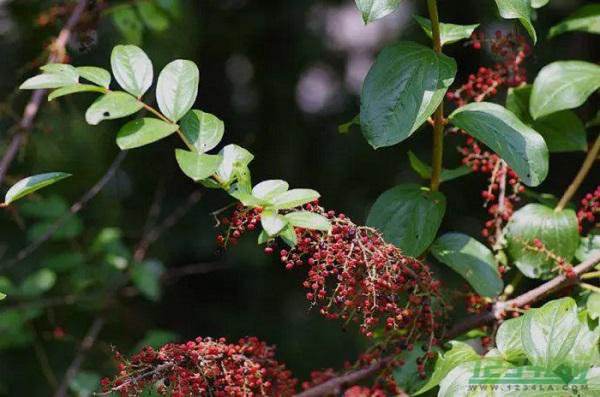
(282, 75)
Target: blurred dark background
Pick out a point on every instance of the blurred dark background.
(282, 75)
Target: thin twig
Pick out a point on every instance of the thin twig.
(75, 208)
(86, 344)
(57, 54)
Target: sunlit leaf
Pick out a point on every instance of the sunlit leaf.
(132, 69)
(31, 184)
(143, 131)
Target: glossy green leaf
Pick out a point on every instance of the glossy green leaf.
(72, 89)
(288, 234)
(372, 10)
(96, 75)
(472, 260)
(588, 246)
(234, 158)
(37, 283)
(177, 88)
(294, 198)
(246, 198)
(132, 69)
(308, 220)
(146, 277)
(449, 33)
(409, 217)
(520, 146)
(54, 75)
(2, 296)
(272, 222)
(31, 184)
(518, 9)
(263, 237)
(460, 353)
(197, 166)
(563, 85)
(563, 131)
(424, 170)
(128, 23)
(402, 89)
(508, 339)
(113, 105)
(549, 333)
(203, 130)
(266, 190)
(539, 3)
(558, 231)
(152, 16)
(585, 350)
(143, 131)
(585, 19)
(456, 382)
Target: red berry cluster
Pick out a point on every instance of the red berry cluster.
(512, 50)
(204, 367)
(589, 210)
(242, 220)
(477, 304)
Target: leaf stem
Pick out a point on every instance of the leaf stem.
(583, 171)
(438, 117)
(166, 120)
(587, 276)
(590, 287)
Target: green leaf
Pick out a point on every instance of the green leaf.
(588, 246)
(456, 382)
(272, 222)
(549, 333)
(508, 339)
(143, 131)
(593, 305)
(424, 170)
(518, 9)
(460, 353)
(308, 220)
(585, 19)
(2, 296)
(55, 75)
(85, 384)
(146, 277)
(563, 131)
(372, 10)
(288, 234)
(177, 88)
(403, 88)
(203, 130)
(409, 217)
(345, 128)
(37, 283)
(558, 231)
(96, 75)
(128, 23)
(563, 85)
(591, 380)
(539, 3)
(519, 145)
(266, 190)
(585, 350)
(132, 69)
(263, 237)
(450, 33)
(407, 376)
(113, 105)
(235, 158)
(71, 89)
(294, 198)
(154, 18)
(472, 260)
(31, 184)
(197, 166)
(247, 198)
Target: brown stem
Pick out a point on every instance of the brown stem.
(583, 171)
(31, 109)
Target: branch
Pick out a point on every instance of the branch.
(469, 323)
(75, 208)
(57, 54)
(84, 347)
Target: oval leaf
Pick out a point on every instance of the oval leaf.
(593, 305)
(409, 217)
(72, 89)
(294, 198)
(563, 85)
(37, 283)
(549, 333)
(128, 23)
(519, 145)
(113, 105)
(154, 18)
(558, 231)
(272, 222)
(55, 75)
(266, 190)
(375, 9)
(203, 130)
(132, 69)
(234, 158)
(403, 88)
(308, 220)
(141, 132)
(472, 260)
(177, 88)
(31, 184)
(96, 75)
(518, 9)
(585, 19)
(197, 166)
(508, 339)
(449, 32)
